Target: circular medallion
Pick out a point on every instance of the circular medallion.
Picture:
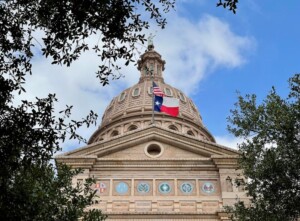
(143, 188)
(208, 187)
(186, 187)
(164, 188)
(122, 188)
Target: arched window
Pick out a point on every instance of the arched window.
(182, 97)
(146, 71)
(114, 133)
(99, 139)
(190, 133)
(132, 127)
(151, 68)
(168, 92)
(158, 70)
(136, 92)
(150, 91)
(122, 96)
(173, 127)
(193, 105)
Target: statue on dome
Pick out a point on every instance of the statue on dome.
(150, 41)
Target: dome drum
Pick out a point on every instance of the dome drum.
(139, 121)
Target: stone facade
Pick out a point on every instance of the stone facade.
(170, 170)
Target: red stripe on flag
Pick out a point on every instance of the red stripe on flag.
(157, 91)
(173, 111)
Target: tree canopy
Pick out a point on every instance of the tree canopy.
(231, 5)
(270, 154)
(67, 24)
(31, 188)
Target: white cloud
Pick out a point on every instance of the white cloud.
(229, 141)
(191, 51)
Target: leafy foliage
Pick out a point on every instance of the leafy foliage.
(67, 24)
(230, 4)
(270, 155)
(30, 187)
(30, 133)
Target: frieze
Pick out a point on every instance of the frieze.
(144, 187)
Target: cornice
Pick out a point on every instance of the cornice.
(226, 161)
(85, 162)
(151, 133)
(161, 215)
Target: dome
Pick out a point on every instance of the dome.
(132, 108)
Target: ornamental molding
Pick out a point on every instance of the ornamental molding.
(212, 156)
(152, 133)
(132, 114)
(226, 161)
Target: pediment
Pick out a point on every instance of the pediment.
(134, 145)
(153, 149)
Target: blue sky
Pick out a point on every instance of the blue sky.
(210, 54)
(274, 57)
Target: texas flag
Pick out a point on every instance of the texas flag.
(168, 105)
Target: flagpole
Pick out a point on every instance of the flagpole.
(153, 100)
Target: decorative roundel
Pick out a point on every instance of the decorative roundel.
(164, 188)
(208, 187)
(122, 188)
(143, 188)
(186, 187)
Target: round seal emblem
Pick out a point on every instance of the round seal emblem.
(122, 188)
(164, 188)
(143, 188)
(208, 187)
(186, 187)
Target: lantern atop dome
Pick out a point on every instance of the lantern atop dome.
(151, 63)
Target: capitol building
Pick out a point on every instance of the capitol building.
(171, 169)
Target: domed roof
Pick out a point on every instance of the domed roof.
(132, 108)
